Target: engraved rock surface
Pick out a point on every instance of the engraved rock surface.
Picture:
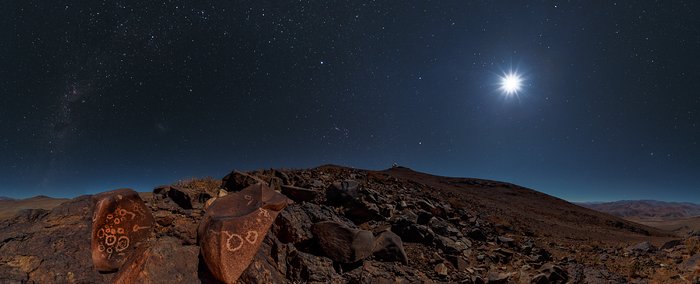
(233, 228)
(120, 222)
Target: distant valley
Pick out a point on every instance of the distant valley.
(677, 217)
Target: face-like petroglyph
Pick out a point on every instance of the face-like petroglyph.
(251, 237)
(249, 198)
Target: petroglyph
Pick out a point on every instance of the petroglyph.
(237, 224)
(120, 221)
(251, 237)
(230, 242)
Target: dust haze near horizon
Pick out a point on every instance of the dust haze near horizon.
(97, 96)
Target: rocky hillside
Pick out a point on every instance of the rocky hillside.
(356, 226)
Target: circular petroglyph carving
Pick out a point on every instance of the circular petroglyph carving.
(234, 242)
(101, 233)
(110, 240)
(101, 248)
(251, 236)
(122, 243)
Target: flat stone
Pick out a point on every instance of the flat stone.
(120, 222)
(299, 194)
(234, 226)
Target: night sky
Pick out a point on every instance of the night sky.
(99, 95)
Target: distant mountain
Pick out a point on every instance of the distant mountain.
(3, 198)
(646, 209)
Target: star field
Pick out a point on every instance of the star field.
(111, 94)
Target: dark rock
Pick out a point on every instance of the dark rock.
(362, 211)
(641, 248)
(505, 241)
(299, 194)
(389, 247)
(293, 225)
(477, 234)
(232, 230)
(671, 244)
(237, 181)
(457, 261)
(495, 277)
(343, 244)
(162, 261)
(120, 222)
(268, 265)
(550, 273)
(691, 264)
(308, 268)
(411, 232)
(448, 245)
(424, 217)
(343, 191)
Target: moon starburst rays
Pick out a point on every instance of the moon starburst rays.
(511, 83)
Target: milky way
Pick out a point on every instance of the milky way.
(102, 95)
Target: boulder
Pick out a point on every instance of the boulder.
(233, 228)
(389, 247)
(343, 191)
(551, 274)
(120, 222)
(641, 248)
(299, 194)
(691, 264)
(308, 268)
(341, 243)
(237, 181)
(163, 261)
(293, 225)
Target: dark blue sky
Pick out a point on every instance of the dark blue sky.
(111, 94)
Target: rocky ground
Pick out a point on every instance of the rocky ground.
(357, 226)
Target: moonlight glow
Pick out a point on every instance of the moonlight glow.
(511, 83)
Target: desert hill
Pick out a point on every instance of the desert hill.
(416, 227)
(9, 206)
(647, 209)
(679, 218)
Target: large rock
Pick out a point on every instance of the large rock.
(120, 222)
(50, 247)
(341, 243)
(300, 194)
(237, 181)
(389, 247)
(233, 229)
(163, 261)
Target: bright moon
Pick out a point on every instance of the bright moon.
(511, 83)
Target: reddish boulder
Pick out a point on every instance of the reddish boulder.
(234, 227)
(163, 261)
(120, 222)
